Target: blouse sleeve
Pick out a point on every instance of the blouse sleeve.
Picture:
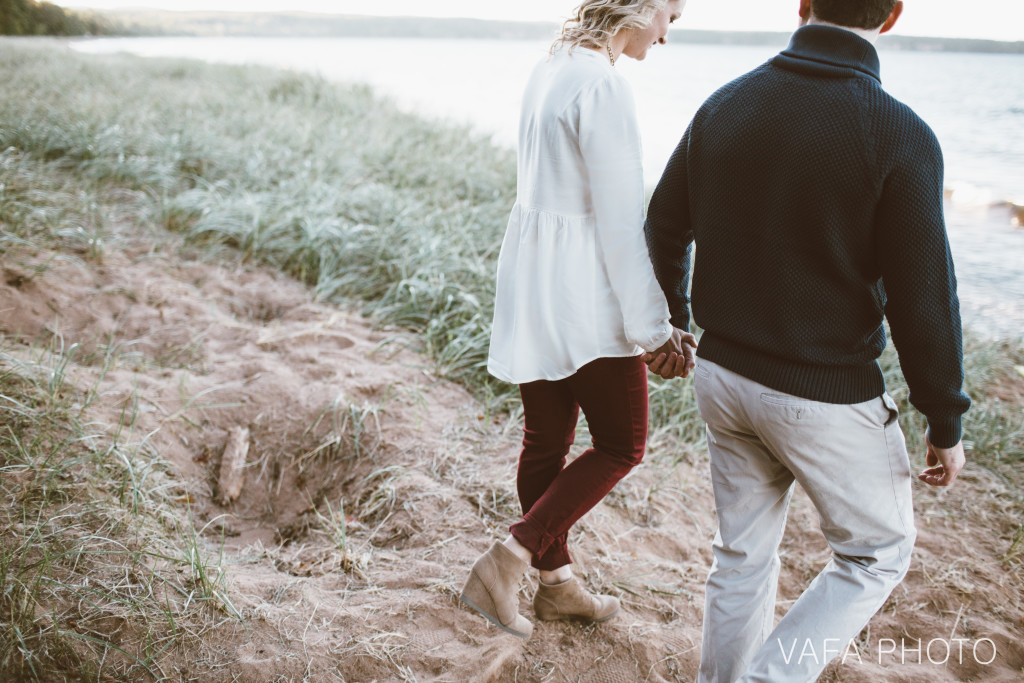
(610, 146)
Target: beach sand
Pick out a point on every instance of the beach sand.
(371, 485)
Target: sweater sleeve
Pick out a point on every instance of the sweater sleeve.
(670, 235)
(610, 145)
(922, 307)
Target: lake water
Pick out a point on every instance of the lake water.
(974, 102)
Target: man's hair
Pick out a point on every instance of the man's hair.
(867, 14)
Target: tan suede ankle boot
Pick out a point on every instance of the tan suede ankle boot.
(569, 600)
(492, 589)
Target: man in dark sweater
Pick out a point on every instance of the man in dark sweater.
(815, 202)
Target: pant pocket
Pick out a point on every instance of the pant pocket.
(890, 405)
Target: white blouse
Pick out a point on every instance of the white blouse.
(575, 282)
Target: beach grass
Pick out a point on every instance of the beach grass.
(100, 574)
(371, 207)
(328, 183)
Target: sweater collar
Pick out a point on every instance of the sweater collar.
(829, 51)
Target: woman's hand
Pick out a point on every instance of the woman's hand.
(674, 358)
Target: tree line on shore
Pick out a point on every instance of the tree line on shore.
(31, 18)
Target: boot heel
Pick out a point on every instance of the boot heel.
(492, 589)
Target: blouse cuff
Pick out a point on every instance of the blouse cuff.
(654, 342)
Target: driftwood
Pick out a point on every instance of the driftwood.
(232, 465)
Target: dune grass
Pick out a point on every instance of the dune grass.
(100, 574)
(327, 183)
(369, 206)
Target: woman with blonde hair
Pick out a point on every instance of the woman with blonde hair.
(577, 304)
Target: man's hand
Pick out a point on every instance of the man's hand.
(675, 357)
(943, 464)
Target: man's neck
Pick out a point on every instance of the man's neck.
(869, 35)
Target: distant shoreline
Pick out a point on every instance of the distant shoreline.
(302, 24)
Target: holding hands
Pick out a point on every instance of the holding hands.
(674, 358)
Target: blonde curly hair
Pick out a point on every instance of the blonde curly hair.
(596, 21)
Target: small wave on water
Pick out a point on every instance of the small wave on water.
(987, 241)
(967, 195)
(1016, 214)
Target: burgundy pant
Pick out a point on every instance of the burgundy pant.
(613, 395)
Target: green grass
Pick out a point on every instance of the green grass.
(993, 427)
(365, 204)
(99, 576)
(327, 183)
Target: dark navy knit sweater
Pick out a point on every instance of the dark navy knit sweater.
(815, 202)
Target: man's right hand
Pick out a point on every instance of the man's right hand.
(944, 464)
(675, 357)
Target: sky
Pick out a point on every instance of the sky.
(992, 19)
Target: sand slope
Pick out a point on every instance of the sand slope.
(371, 485)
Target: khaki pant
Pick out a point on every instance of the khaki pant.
(852, 462)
